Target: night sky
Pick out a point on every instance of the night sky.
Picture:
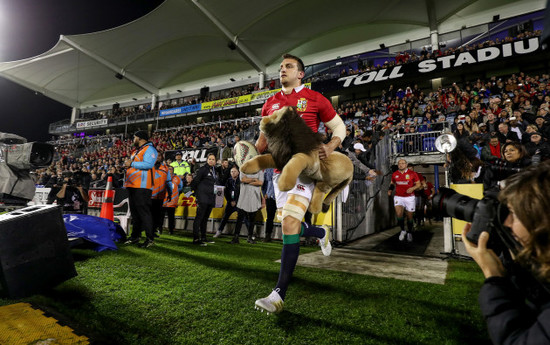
(31, 27)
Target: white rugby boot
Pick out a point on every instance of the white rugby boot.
(272, 304)
(324, 242)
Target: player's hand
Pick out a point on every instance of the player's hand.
(410, 190)
(325, 151)
(487, 260)
(128, 163)
(389, 192)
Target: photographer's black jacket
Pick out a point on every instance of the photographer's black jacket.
(203, 185)
(509, 319)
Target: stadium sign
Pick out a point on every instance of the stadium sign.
(200, 155)
(93, 123)
(506, 50)
(180, 110)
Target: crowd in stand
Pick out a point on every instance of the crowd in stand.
(412, 56)
(510, 108)
(403, 57)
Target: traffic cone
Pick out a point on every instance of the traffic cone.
(108, 197)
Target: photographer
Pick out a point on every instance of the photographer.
(518, 312)
(514, 160)
(71, 196)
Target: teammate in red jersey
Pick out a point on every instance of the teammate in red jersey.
(405, 182)
(313, 108)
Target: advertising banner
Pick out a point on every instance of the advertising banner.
(180, 110)
(439, 64)
(89, 124)
(200, 155)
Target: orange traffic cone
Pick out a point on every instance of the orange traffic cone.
(108, 197)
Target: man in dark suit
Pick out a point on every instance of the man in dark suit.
(505, 134)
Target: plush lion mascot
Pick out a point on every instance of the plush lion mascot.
(293, 149)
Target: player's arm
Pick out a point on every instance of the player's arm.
(392, 186)
(338, 134)
(261, 143)
(417, 186)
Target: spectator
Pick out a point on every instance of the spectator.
(505, 135)
(250, 201)
(538, 146)
(203, 185)
(231, 193)
(514, 159)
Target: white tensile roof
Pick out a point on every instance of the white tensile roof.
(183, 44)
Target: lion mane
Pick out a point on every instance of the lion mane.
(288, 136)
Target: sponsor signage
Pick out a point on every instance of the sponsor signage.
(95, 198)
(180, 110)
(442, 63)
(92, 123)
(200, 155)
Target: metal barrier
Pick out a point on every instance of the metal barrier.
(367, 208)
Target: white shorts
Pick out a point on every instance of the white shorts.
(304, 187)
(408, 202)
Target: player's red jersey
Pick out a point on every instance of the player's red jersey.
(419, 192)
(428, 191)
(312, 106)
(404, 181)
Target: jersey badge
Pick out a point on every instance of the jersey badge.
(407, 176)
(301, 105)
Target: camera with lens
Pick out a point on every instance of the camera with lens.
(73, 179)
(503, 167)
(487, 214)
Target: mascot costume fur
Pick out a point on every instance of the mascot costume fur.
(293, 150)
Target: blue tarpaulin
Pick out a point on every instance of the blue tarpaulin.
(101, 231)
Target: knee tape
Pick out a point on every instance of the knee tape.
(295, 206)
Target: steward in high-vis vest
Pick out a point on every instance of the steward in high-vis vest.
(139, 182)
(175, 186)
(181, 167)
(161, 177)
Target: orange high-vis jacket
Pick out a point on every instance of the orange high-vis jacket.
(172, 197)
(139, 174)
(159, 183)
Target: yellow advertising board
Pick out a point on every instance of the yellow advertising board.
(473, 190)
(242, 99)
(187, 207)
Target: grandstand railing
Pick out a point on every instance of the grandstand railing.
(418, 147)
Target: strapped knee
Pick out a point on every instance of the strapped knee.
(295, 206)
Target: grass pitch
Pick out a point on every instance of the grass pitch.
(177, 293)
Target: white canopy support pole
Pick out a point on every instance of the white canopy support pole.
(432, 21)
(261, 81)
(242, 48)
(74, 114)
(142, 84)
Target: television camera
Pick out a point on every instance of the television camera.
(17, 157)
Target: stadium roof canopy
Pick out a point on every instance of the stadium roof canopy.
(188, 44)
